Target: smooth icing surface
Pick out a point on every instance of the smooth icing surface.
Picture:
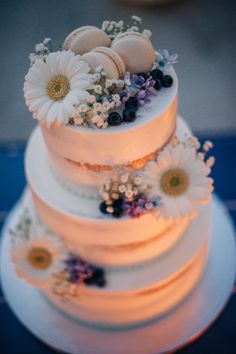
(81, 180)
(136, 294)
(79, 221)
(139, 294)
(155, 124)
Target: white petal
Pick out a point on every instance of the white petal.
(52, 113)
(36, 92)
(36, 103)
(42, 112)
(61, 118)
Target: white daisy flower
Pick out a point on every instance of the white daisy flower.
(179, 177)
(37, 259)
(53, 87)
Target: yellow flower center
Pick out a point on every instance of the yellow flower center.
(58, 87)
(39, 258)
(174, 182)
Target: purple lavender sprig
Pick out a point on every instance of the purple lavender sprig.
(139, 87)
(80, 271)
(140, 205)
(166, 58)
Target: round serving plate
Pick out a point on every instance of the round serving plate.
(183, 324)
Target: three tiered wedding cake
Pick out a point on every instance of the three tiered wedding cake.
(116, 226)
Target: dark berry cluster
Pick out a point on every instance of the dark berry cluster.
(128, 114)
(81, 271)
(97, 278)
(132, 104)
(161, 80)
(115, 208)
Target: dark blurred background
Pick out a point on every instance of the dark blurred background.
(202, 32)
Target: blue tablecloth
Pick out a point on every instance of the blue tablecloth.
(14, 338)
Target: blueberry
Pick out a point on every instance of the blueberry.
(98, 278)
(103, 207)
(117, 213)
(100, 282)
(118, 202)
(114, 119)
(129, 115)
(144, 75)
(167, 81)
(157, 85)
(132, 103)
(157, 74)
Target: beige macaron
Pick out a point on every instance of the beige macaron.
(136, 50)
(86, 38)
(110, 61)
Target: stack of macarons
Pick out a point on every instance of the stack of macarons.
(129, 51)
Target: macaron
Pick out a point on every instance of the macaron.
(110, 61)
(136, 50)
(86, 38)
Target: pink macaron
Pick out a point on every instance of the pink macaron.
(110, 61)
(86, 38)
(136, 50)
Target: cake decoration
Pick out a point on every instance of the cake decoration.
(174, 184)
(52, 87)
(98, 78)
(125, 195)
(136, 50)
(108, 59)
(43, 260)
(86, 38)
(114, 28)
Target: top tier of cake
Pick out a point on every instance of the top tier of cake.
(106, 102)
(82, 157)
(120, 145)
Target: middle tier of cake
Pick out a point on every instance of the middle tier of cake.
(97, 237)
(133, 294)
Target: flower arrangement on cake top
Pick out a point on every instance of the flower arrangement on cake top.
(174, 184)
(44, 261)
(98, 78)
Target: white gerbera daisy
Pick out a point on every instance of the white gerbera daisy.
(53, 87)
(179, 177)
(37, 259)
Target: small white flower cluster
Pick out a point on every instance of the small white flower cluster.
(63, 287)
(23, 227)
(104, 96)
(113, 28)
(93, 113)
(207, 146)
(41, 51)
(201, 151)
(126, 184)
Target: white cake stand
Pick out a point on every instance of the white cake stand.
(181, 326)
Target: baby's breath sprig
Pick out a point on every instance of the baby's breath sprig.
(202, 151)
(114, 28)
(41, 51)
(23, 228)
(104, 97)
(125, 195)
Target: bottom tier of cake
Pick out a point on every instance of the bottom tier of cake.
(142, 292)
